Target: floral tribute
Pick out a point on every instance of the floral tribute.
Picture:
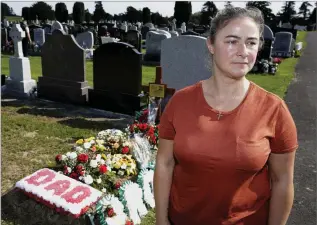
(118, 164)
(59, 192)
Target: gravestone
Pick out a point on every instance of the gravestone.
(85, 40)
(63, 70)
(117, 78)
(179, 30)
(185, 60)
(39, 36)
(174, 34)
(105, 40)
(183, 27)
(153, 45)
(57, 26)
(19, 82)
(144, 31)
(268, 39)
(134, 38)
(191, 33)
(165, 28)
(283, 45)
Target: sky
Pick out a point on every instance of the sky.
(165, 8)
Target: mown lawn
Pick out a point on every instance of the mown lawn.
(33, 132)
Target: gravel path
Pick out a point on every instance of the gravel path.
(301, 100)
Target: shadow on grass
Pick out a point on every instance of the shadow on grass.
(83, 123)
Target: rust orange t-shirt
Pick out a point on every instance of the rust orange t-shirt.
(221, 174)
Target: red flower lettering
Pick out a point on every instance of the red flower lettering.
(58, 186)
(41, 177)
(80, 193)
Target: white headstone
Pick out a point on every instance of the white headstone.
(6, 23)
(165, 28)
(183, 27)
(85, 40)
(105, 40)
(19, 81)
(17, 34)
(39, 36)
(133, 28)
(185, 60)
(57, 26)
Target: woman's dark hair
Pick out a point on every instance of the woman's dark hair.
(228, 14)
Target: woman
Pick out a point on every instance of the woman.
(26, 41)
(227, 146)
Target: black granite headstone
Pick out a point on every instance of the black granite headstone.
(134, 38)
(63, 69)
(117, 78)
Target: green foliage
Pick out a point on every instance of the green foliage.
(209, 10)
(42, 11)
(99, 12)
(182, 12)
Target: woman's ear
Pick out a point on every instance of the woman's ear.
(210, 46)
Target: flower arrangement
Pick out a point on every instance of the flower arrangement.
(147, 130)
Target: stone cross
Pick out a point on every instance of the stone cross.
(17, 34)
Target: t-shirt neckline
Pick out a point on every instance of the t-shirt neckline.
(207, 106)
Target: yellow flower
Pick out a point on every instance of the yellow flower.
(117, 165)
(89, 139)
(80, 141)
(101, 147)
(103, 156)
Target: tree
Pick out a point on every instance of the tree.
(26, 13)
(312, 17)
(79, 12)
(304, 9)
(209, 10)
(99, 12)
(87, 16)
(133, 14)
(288, 12)
(195, 18)
(228, 4)
(61, 12)
(42, 11)
(146, 15)
(263, 6)
(182, 12)
(6, 11)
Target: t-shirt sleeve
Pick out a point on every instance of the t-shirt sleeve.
(285, 137)
(166, 126)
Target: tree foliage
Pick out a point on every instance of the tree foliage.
(99, 12)
(264, 7)
(42, 11)
(209, 10)
(146, 15)
(182, 12)
(304, 10)
(61, 12)
(79, 12)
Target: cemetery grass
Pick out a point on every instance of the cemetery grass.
(32, 135)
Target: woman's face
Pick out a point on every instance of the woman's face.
(235, 47)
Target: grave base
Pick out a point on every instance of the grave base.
(152, 57)
(114, 102)
(20, 209)
(20, 89)
(63, 91)
(20, 83)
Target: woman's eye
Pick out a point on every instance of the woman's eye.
(232, 42)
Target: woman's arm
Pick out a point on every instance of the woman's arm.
(163, 180)
(281, 168)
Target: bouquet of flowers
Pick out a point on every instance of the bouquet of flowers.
(147, 130)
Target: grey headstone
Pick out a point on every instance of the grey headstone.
(282, 44)
(268, 33)
(57, 26)
(134, 38)
(63, 69)
(185, 60)
(153, 45)
(39, 36)
(174, 33)
(85, 40)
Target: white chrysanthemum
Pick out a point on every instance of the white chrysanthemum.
(98, 157)
(98, 181)
(93, 163)
(102, 162)
(64, 157)
(69, 169)
(104, 190)
(87, 145)
(123, 166)
(79, 149)
(88, 179)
